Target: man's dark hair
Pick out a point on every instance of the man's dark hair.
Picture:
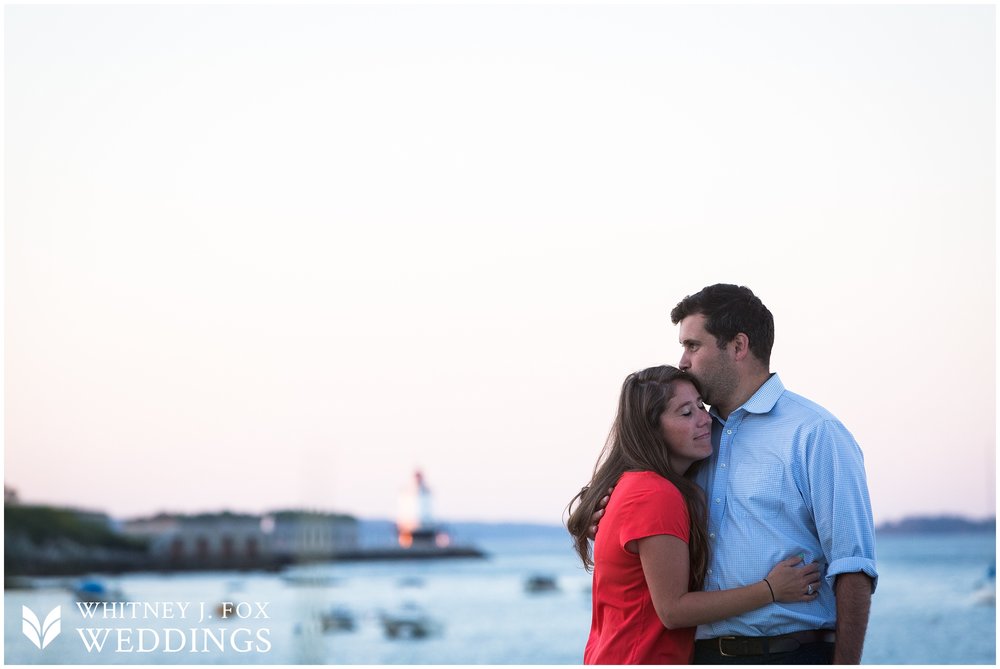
(729, 310)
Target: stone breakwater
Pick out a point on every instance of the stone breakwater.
(62, 557)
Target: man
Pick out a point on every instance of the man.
(785, 478)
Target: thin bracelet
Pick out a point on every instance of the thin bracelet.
(771, 589)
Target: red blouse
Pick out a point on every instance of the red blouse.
(625, 628)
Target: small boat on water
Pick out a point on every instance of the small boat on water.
(409, 621)
(337, 619)
(985, 593)
(310, 580)
(541, 583)
(92, 590)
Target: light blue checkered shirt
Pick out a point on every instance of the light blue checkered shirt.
(785, 477)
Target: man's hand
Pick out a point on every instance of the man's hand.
(596, 518)
(854, 600)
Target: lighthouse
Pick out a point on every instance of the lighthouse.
(414, 521)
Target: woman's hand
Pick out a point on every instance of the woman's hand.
(792, 583)
(596, 518)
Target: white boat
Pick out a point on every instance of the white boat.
(337, 619)
(409, 621)
(985, 593)
(985, 596)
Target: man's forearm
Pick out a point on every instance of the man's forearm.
(854, 600)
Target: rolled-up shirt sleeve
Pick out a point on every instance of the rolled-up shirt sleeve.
(838, 492)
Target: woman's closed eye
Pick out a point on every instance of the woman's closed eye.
(687, 410)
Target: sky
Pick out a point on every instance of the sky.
(271, 257)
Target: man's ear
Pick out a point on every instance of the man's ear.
(741, 346)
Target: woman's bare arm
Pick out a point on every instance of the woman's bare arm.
(665, 565)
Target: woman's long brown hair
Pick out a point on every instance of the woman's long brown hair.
(636, 444)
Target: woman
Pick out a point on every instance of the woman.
(650, 556)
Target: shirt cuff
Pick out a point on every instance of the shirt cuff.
(850, 565)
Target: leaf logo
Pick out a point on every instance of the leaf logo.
(41, 635)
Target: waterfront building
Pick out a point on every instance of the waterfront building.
(234, 540)
(209, 539)
(305, 535)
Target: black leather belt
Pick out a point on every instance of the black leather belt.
(732, 646)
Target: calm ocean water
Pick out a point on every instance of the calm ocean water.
(924, 612)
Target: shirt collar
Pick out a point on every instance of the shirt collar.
(761, 401)
(766, 396)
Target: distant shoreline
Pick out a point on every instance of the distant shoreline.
(943, 524)
(938, 525)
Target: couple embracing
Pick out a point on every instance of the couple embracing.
(740, 535)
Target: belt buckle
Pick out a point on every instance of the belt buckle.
(722, 652)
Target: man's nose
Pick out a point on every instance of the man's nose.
(684, 365)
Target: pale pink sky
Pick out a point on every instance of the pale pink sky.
(263, 257)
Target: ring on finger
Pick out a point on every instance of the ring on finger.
(809, 590)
